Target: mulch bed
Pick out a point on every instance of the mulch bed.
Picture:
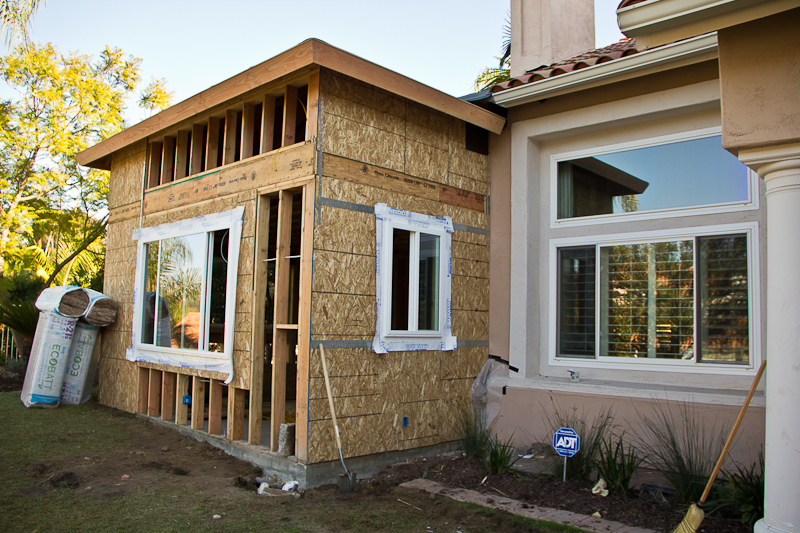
(643, 509)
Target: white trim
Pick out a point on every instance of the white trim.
(690, 51)
(754, 308)
(706, 209)
(196, 359)
(386, 339)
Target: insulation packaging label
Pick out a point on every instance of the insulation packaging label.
(81, 365)
(388, 219)
(45, 374)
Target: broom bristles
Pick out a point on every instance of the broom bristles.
(694, 516)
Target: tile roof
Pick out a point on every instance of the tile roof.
(623, 48)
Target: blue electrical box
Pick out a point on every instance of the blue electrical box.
(405, 421)
(187, 399)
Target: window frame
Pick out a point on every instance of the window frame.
(387, 340)
(706, 209)
(182, 357)
(751, 230)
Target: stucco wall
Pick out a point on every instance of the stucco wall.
(760, 80)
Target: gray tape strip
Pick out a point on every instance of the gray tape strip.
(471, 344)
(341, 344)
(346, 205)
(341, 204)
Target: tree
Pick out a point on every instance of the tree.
(15, 16)
(66, 103)
(491, 76)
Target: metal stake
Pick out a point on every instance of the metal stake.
(565, 469)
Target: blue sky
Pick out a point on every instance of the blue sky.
(195, 44)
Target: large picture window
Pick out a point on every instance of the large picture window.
(662, 176)
(413, 281)
(185, 292)
(684, 300)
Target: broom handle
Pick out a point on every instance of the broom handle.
(330, 396)
(733, 432)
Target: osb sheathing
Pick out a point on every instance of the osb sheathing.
(127, 168)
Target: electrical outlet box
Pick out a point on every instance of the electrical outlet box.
(405, 421)
(187, 399)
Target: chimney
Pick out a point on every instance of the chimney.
(546, 31)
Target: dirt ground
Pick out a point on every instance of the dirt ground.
(160, 457)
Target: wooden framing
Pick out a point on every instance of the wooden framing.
(168, 160)
(268, 124)
(181, 409)
(259, 297)
(215, 407)
(312, 107)
(168, 395)
(304, 322)
(181, 154)
(248, 129)
(229, 145)
(198, 402)
(143, 388)
(154, 393)
(236, 413)
(154, 165)
(280, 317)
(196, 157)
(212, 142)
(289, 115)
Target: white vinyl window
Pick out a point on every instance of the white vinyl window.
(669, 176)
(413, 281)
(684, 299)
(184, 297)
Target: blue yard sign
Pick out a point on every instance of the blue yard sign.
(566, 443)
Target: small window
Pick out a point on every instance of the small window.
(681, 300)
(678, 175)
(413, 281)
(185, 287)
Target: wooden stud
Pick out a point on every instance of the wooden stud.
(154, 393)
(289, 115)
(215, 407)
(198, 402)
(312, 106)
(304, 326)
(196, 156)
(236, 413)
(142, 390)
(267, 124)
(259, 298)
(248, 129)
(168, 396)
(229, 145)
(168, 160)
(212, 143)
(281, 316)
(154, 165)
(181, 154)
(181, 409)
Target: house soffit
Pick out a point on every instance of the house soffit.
(308, 55)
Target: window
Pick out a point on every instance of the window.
(413, 281)
(684, 300)
(185, 292)
(660, 177)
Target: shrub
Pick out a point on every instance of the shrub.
(473, 435)
(617, 465)
(680, 447)
(581, 465)
(742, 497)
(499, 455)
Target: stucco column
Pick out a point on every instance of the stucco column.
(780, 168)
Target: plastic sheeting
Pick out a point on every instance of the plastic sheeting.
(385, 341)
(45, 374)
(81, 365)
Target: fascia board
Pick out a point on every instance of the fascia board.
(675, 55)
(658, 22)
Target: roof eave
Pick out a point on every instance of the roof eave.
(658, 22)
(691, 51)
(309, 53)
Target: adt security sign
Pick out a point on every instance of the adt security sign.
(566, 442)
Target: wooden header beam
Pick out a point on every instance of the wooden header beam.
(309, 53)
